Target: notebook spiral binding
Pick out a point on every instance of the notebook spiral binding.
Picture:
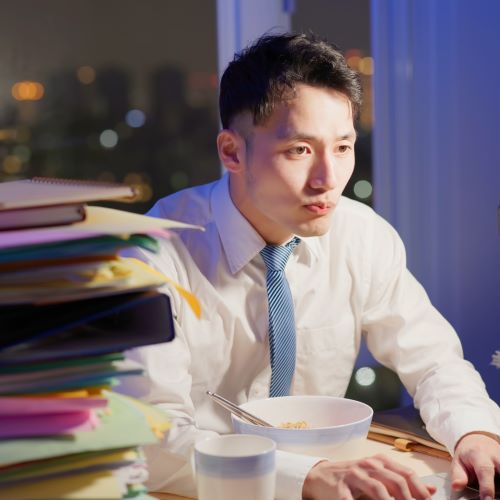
(75, 182)
(84, 183)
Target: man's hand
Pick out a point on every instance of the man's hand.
(476, 456)
(376, 477)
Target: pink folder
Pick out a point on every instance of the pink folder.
(49, 424)
(14, 406)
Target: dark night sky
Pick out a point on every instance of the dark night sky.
(343, 22)
(40, 36)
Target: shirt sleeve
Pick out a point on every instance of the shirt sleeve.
(291, 472)
(407, 334)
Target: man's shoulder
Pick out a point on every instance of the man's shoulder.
(354, 212)
(353, 219)
(190, 205)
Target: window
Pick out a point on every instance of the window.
(347, 25)
(117, 90)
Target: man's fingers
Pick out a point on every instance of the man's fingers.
(364, 486)
(459, 477)
(396, 484)
(343, 492)
(486, 478)
(496, 463)
(375, 479)
(417, 488)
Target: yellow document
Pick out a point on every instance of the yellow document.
(101, 485)
(98, 460)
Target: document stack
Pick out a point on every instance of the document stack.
(405, 430)
(69, 308)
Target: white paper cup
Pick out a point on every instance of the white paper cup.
(235, 466)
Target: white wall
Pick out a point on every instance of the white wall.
(240, 22)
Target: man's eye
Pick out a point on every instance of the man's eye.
(344, 148)
(299, 150)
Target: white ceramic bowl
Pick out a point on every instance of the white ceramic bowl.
(333, 423)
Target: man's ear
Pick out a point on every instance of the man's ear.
(231, 147)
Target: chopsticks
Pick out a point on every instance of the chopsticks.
(236, 410)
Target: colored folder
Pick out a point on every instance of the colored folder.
(122, 426)
(88, 327)
(11, 406)
(46, 253)
(78, 280)
(100, 221)
(66, 465)
(100, 485)
(22, 426)
(53, 380)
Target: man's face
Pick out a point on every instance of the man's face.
(294, 167)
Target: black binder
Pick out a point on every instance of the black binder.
(86, 327)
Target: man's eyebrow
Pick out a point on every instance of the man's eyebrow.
(349, 136)
(293, 135)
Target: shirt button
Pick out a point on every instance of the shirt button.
(261, 392)
(255, 393)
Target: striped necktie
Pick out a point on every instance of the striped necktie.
(281, 317)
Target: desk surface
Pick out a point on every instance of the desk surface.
(423, 465)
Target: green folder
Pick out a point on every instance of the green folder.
(62, 363)
(98, 245)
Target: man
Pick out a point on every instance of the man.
(288, 106)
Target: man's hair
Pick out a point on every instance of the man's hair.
(265, 74)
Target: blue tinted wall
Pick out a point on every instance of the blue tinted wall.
(437, 156)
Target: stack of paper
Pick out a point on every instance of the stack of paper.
(99, 462)
(44, 201)
(69, 307)
(404, 428)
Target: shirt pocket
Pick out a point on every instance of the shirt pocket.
(325, 358)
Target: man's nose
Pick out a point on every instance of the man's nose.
(323, 175)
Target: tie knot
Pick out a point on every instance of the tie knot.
(276, 256)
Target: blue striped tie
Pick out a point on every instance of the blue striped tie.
(281, 317)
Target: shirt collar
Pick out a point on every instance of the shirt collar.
(240, 240)
(313, 250)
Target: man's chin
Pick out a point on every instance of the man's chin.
(318, 229)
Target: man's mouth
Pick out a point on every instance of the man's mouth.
(319, 208)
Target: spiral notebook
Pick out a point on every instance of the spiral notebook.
(45, 201)
(47, 191)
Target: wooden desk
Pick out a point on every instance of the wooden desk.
(423, 465)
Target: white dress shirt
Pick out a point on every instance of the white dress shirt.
(350, 282)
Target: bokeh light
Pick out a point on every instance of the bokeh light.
(12, 164)
(27, 91)
(365, 376)
(363, 189)
(108, 139)
(86, 74)
(365, 66)
(135, 118)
